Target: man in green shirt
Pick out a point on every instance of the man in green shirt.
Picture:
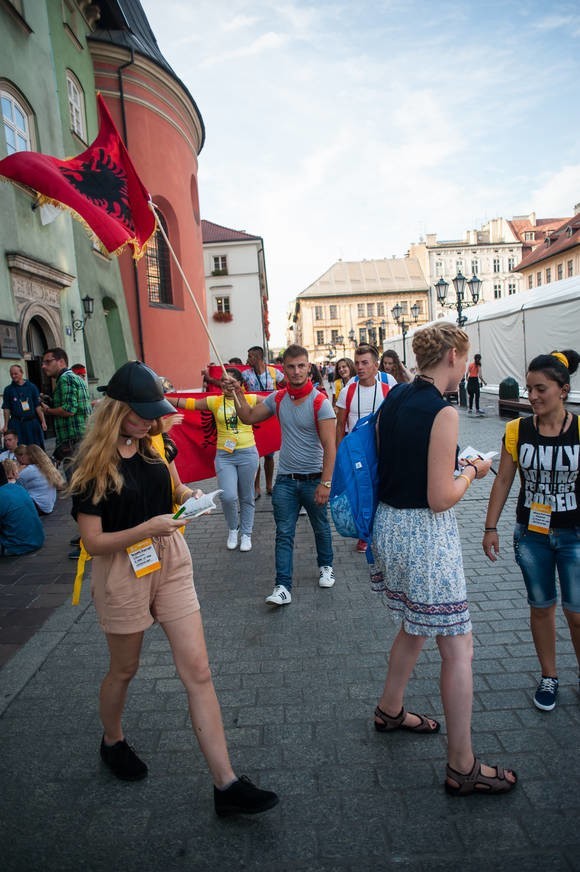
(70, 403)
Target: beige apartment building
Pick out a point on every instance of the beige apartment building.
(352, 302)
(491, 253)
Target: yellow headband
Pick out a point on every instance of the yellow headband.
(561, 357)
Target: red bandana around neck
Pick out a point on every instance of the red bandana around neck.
(299, 393)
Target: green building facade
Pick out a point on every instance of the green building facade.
(48, 263)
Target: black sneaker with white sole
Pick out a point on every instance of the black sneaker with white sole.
(243, 797)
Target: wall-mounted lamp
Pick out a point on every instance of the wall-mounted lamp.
(77, 324)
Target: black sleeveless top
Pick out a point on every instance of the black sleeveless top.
(404, 427)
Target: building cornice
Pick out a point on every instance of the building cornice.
(105, 54)
(20, 263)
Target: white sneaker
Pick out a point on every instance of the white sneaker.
(280, 596)
(326, 577)
(245, 543)
(232, 542)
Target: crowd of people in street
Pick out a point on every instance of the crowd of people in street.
(125, 489)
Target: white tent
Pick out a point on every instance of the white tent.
(508, 333)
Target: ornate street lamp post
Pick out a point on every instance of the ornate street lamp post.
(397, 312)
(460, 303)
(372, 333)
(352, 336)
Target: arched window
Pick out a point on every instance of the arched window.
(76, 106)
(16, 122)
(159, 268)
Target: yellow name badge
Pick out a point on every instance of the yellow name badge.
(540, 515)
(25, 406)
(230, 444)
(143, 557)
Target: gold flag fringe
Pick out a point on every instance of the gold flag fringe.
(42, 200)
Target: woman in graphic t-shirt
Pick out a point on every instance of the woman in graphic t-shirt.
(236, 460)
(545, 449)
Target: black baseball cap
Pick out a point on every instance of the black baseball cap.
(141, 388)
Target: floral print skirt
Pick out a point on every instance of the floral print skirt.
(419, 554)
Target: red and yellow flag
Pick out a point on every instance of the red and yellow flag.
(100, 187)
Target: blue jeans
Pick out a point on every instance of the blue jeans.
(287, 498)
(539, 555)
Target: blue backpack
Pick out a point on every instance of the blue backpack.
(355, 480)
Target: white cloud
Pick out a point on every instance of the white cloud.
(558, 192)
(238, 22)
(265, 42)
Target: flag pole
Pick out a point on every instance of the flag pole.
(153, 208)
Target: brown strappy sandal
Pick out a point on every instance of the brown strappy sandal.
(476, 782)
(389, 724)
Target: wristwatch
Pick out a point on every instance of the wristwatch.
(326, 484)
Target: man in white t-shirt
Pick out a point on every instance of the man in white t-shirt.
(361, 396)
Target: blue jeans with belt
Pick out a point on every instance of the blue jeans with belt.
(287, 498)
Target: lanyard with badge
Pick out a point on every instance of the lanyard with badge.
(262, 387)
(541, 513)
(374, 399)
(231, 423)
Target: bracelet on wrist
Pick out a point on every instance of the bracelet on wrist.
(473, 466)
(490, 529)
(467, 479)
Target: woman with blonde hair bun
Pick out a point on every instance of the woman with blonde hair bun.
(416, 543)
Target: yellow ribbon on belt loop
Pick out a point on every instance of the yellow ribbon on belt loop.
(78, 583)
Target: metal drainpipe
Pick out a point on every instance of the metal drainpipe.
(135, 271)
(264, 340)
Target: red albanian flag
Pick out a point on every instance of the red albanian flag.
(100, 187)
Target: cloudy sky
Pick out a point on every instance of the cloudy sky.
(350, 129)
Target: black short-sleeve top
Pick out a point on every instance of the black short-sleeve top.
(549, 473)
(146, 492)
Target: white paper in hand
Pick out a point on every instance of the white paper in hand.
(194, 508)
(470, 453)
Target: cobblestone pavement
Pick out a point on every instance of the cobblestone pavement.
(297, 687)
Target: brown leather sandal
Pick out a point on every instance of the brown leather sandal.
(476, 782)
(389, 724)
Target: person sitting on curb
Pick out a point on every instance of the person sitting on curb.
(39, 477)
(305, 469)
(21, 531)
(10, 444)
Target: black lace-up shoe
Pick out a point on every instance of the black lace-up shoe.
(123, 761)
(243, 797)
